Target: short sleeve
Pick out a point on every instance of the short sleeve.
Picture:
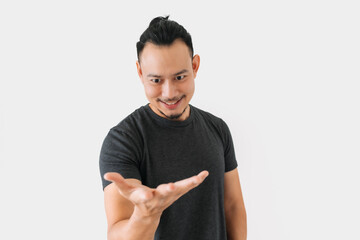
(229, 151)
(119, 153)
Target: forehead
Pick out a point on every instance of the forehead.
(165, 59)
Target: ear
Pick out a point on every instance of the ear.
(195, 64)
(139, 69)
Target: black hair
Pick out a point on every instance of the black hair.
(162, 31)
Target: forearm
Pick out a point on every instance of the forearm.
(135, 228)
(236, 223)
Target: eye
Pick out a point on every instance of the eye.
(155, 80)
(180, 77)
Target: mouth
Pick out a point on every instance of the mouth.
(172, 105)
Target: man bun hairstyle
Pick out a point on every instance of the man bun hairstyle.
(163, 32)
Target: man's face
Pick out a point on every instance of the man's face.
(168, 73)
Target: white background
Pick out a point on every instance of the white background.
(284, 75)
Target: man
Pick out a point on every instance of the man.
(169, 169)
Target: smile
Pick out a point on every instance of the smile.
(171, 105)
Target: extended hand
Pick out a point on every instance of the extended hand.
(153, 201)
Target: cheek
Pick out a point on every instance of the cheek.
(190, 88)
(151, 92)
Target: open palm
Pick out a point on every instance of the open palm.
(152, 201)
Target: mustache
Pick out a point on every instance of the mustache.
(170, 99)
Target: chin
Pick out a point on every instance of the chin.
(174, 115)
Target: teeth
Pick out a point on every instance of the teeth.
(168, 103)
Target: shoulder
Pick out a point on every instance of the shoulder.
(210, 118)
(131, 125)
(200, 113)
(214, 124)
(132, 121)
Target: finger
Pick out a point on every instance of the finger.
(120, 182)
(134, 193)
(203, 175)
(197, 179)
(187, 184)
(165, 189)
(113, 176)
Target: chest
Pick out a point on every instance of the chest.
(175, 154)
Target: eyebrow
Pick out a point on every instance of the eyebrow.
(175, 74)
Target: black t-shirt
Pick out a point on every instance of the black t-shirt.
(156, 150)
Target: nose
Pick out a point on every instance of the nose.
(169, 90)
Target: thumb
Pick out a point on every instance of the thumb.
(119, 181)
(134, 193)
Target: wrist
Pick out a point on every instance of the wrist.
(139, 216)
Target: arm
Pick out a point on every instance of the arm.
(123, 222)
(235, 213)
(133, 210)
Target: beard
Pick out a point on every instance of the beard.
(173, 116)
